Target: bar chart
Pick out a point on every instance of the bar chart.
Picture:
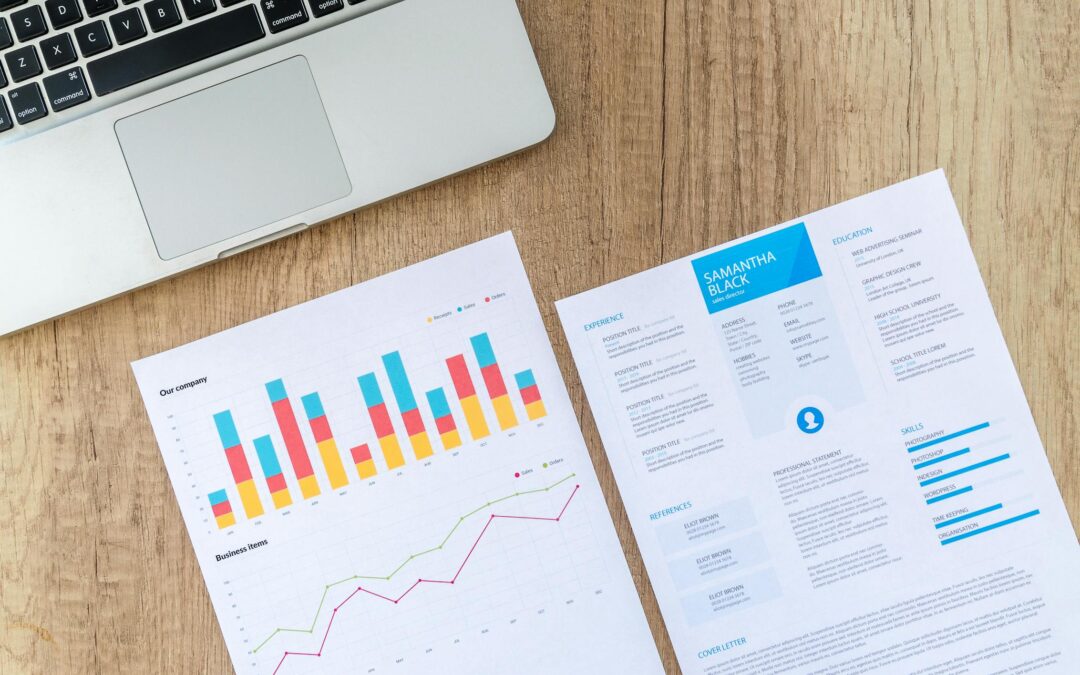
(389, 422)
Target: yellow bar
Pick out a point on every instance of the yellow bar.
(281, 498)
(249, 497)
(451, 439)
(391, 450)
(366, 468)
(474, 417)
(331, 459)
(504, 412)
(421, 445)
(226, 520)
(535, 410)
(309, 487)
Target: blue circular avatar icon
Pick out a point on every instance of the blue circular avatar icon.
(810, 420)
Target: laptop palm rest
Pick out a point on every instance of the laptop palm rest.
(232, 158)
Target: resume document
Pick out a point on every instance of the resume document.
(825, 452)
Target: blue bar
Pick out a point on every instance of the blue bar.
(268, 460)
(948, 437)
(440, 407)
(276, 390)
(399, 382)
(481, 345)
(935, 460)
(226, 429)
(312, 406)
(952, 474)
(1007, 521)
(967, 516)
(369, 387)
(218, 497)
(947, 495)
(524, 379)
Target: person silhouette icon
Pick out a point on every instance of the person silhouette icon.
(810, 420)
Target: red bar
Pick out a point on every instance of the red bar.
(380, 419)
(320, 429)
(530, 394)
(360, 453)
(414, 423)
(493, 380)
(276, 483)
(294, 443)
(445, 423)
(238, 464)
(459, 373)
(221, 508)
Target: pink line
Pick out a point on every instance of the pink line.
(346, 599)
(377, 595)
(469, 554)
(491, 518)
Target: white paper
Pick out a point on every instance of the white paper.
(497, 555)
(825, 452)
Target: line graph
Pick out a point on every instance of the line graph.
(326, 591)
(360, 589)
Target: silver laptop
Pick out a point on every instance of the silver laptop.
(141, 138)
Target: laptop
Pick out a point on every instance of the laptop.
(142, 138)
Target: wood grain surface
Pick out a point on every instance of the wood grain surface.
(680, 125)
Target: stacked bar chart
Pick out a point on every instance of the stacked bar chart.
(380, 421)
(444, 418)
(406, 402)
(530, 394)
(365, 463)
(450, 425)
(493, 381)
(271, 468)
(324, 440)
(238, 464)
(294, 442)
(223, 513)
(466, 393)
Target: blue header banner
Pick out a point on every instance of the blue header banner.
(756, 268)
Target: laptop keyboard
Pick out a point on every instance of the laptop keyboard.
(56, 55)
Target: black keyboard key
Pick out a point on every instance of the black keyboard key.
(92, 38)
(324, 7)
(162, 14)
(5, 117)
(66, 89)
(127, 25)
(63, 13)
(175, 50)
(3, 78)
(8, 4)
(58, 50)
(27, 104)
(29, 23)
(229, 3)
(283, 14)
(95, 7)
(355, 2)
(23, 63)
(5, 34)
(193, 9)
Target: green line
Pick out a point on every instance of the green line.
(388, 577)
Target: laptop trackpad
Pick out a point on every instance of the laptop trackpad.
(233, 157)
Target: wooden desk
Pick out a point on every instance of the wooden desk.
(681, 125)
